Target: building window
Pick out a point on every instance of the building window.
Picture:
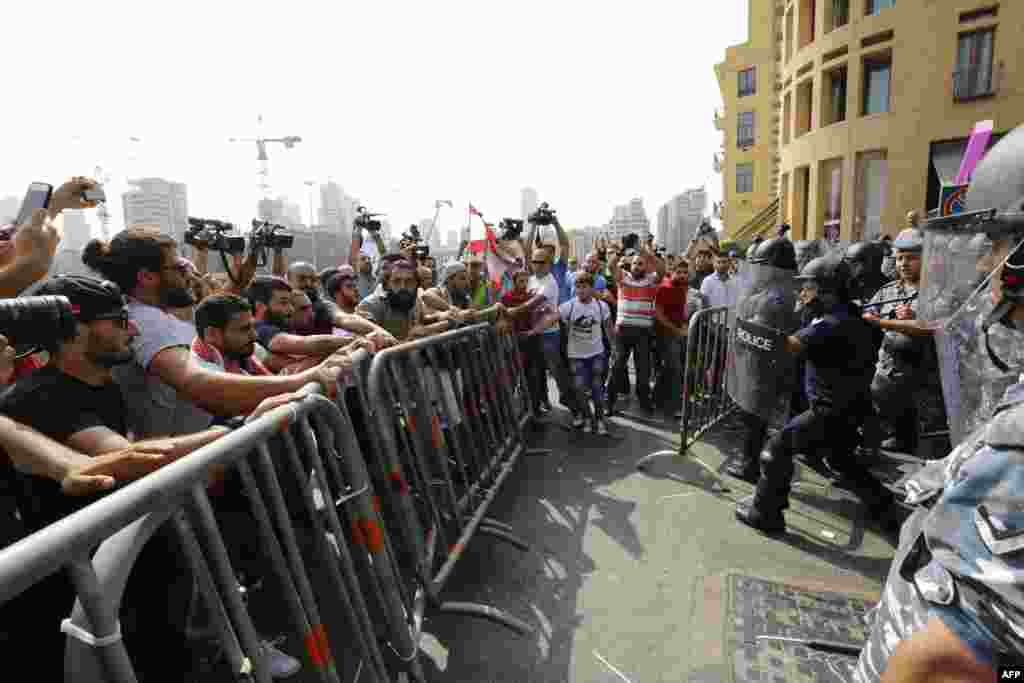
(832, 193)
(790, 30)
(877, 74)
(973, 75)
(804, 107)
(744, 178)
(808, 10)
(835, 105)
(747, 82)
(872, 179)
(745, 129)
(787, 118)
(840, 13)
(876, 6)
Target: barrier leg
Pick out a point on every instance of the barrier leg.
(105, 627)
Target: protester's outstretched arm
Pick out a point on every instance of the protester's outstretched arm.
(280, 264)
(936, 654)
(563, 241)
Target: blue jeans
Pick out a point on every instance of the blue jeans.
(588, 375)
(552, 345)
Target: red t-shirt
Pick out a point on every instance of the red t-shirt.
(513, 299)
(671, 300)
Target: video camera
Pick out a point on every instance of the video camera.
(544, 215)
(511, 228)
(266, 235)
(36, 322)
(207, 233)
(364, 220)
(413, 237)
(630, 241)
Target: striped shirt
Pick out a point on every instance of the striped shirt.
(636, 299)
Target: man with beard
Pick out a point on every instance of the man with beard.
(592, 265)
(91, 420)
(271, 299)
(454, 297)
(343, 289)
(226, 336)
(395, 307)
(166, 392)
(326, 316)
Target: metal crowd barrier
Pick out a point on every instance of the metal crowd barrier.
(705, 399)
(383, 525)
(447, 415)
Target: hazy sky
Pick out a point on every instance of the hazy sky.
(401, 103)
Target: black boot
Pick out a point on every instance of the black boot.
(742, 468)
(768, 520)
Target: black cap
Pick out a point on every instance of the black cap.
(90, 297)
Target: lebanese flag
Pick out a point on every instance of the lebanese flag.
(482, 240)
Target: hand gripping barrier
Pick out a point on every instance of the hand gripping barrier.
(312, 507)
(446, 418)
(705, 399)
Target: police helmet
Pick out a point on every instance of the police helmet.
(777, 252)
(751, 250)
(998, 182)
(829, 273)
(863, 252)
(910, 239)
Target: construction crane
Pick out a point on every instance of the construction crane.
(103, 210)
(263, 170)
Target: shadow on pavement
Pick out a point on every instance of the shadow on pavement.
(553, 502)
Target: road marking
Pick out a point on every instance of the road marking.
(606, 663)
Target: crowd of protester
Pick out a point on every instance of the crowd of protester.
(166, 358)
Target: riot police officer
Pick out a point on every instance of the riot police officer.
(865, 260)
(906, 363)
(767, 297)
(839, 366)
(954, 599)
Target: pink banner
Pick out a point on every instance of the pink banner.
(976, 147)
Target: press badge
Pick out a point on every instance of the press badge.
(1001, 535)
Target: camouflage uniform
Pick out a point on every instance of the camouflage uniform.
(960, 560)
(906, 365)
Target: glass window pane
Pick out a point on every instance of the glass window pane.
(876, 88)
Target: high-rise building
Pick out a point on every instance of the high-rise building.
(280, 211)
(630, 218)
(453, 239)
(661, 236)
(683, 213)
(337, 210)
(155, 201)
(528, 202)
(431, 237)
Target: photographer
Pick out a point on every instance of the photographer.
(165, 389)
(366, 279)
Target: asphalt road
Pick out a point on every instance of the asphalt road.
(624, 581)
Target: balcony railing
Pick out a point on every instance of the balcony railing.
(976, 81)
(718, 119)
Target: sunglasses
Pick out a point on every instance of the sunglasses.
(120, 317)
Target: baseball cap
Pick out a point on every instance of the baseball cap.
(90, 297)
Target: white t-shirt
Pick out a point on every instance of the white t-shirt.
(585, 340)
(155, 408)
(548, 286)
(719, 292)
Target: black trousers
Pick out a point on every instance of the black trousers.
(636, 341)
(819, 427)
(895, 404)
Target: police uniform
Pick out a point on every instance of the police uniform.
(905, 365)
(772, 308)
(837, 384)
(960, 560)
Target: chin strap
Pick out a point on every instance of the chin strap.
(1000, 315)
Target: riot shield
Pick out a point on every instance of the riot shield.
(956, 300)
(761, 372)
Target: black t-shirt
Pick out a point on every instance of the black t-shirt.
(840, 360)
(323, 317)
(58, 405)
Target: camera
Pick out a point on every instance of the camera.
(510, 229)
(412, 236)
(267, 235)
(210, 234)
(365, 220)
(421, 251)
(36, 322)
(544, 215)
(630, 241)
